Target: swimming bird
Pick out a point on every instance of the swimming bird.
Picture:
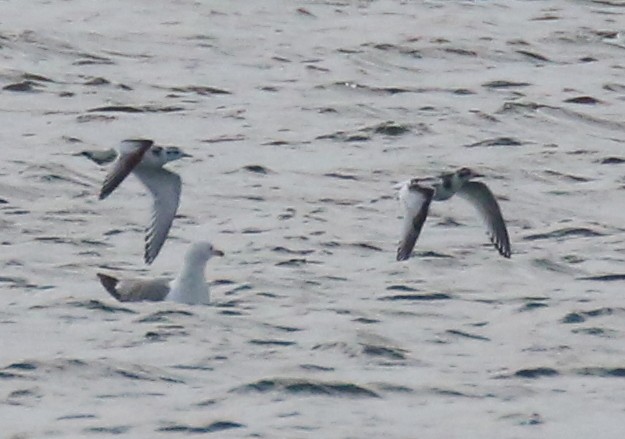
(145, 160)
(416, 195)
(188, 287)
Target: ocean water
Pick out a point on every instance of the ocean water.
(301, 116)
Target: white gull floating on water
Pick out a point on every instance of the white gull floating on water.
(416, 195)
(146, 161)
(188, 287)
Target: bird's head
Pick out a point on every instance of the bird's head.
(165, 154)
(202, 251)
(466, 174)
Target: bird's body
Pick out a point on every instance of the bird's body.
(416, 195)
(145, 161)
(188, 287)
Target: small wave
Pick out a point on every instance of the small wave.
(308, 387)
(210, 428)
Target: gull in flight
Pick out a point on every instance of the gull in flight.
(416, 195)
(145, 160)
(188, 287)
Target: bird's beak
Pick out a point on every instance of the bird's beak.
(477, 175)
(217, 252)
(184, 154)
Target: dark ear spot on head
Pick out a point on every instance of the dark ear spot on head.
(464, 172)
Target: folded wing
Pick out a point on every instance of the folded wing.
(136, 290)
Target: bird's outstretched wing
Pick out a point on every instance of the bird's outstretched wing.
(130, 154)
(415, 200)
(484, 200)
(165, 188)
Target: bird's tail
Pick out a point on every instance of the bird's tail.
(110, 284)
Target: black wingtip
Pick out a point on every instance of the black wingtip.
(503, 251)
(402, 256)
(107, 189)
(503, 246)
(148, 256)
(110, 284)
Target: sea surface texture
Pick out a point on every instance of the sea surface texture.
(301, 116)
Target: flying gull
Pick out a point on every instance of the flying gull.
(416, 195)
(145, 160)
(188, 287)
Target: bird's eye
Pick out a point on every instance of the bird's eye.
(157, 150)
(464, 172)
